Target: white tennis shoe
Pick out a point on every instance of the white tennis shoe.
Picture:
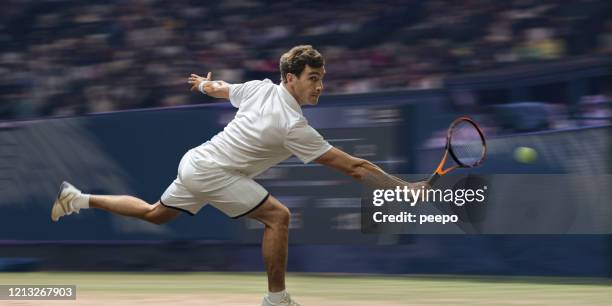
(63, 204)
(286, 301)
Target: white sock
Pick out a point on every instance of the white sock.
(81, 201)
(276, 297)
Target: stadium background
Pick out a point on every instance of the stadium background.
(75, 77)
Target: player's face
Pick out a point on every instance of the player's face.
(309, 85)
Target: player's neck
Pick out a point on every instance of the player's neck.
(291, 91)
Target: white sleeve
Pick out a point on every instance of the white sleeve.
(305, 142)
(243, 91)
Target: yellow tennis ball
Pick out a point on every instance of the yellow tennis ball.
(525, 155)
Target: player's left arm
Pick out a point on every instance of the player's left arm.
(215, 89)
(363, 170)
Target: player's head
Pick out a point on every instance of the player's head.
(302, 69)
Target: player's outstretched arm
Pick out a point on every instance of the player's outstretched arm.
(363, 170)
(215, 89)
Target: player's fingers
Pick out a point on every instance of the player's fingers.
(194, 87)
(196, 79)
(209, 76)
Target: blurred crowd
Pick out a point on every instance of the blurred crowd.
(70, 57)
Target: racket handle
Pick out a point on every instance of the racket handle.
(433, 178)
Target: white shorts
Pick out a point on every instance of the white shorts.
(191, 190)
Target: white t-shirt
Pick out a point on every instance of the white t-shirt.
(268, 127)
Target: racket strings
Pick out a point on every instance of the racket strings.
(467, 144)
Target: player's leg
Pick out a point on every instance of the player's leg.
(70, 200)
(242, 196)
(275, 216)
(133, 207)
(175, 199)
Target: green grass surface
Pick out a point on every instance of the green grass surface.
(375, 290)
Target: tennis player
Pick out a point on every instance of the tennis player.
(268, 128)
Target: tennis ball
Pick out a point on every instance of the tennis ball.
(525, 155)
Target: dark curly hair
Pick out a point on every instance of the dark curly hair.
(295, 60)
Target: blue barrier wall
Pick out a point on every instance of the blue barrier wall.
(138, 152)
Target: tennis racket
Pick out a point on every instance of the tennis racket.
(465, 144)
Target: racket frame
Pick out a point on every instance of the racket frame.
(448, 150)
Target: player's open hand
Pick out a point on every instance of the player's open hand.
(195, 80)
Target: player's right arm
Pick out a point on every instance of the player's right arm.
(215, 89)
(363, 170)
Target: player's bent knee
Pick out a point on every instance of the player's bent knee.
(280, 216)
(272, 213)
(159, 214)
(284, 216)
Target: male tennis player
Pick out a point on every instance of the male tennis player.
(268, 128)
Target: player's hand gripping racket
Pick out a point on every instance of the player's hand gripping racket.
(466, 145)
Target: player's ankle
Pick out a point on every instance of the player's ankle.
(276, 297)
(81, 201)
